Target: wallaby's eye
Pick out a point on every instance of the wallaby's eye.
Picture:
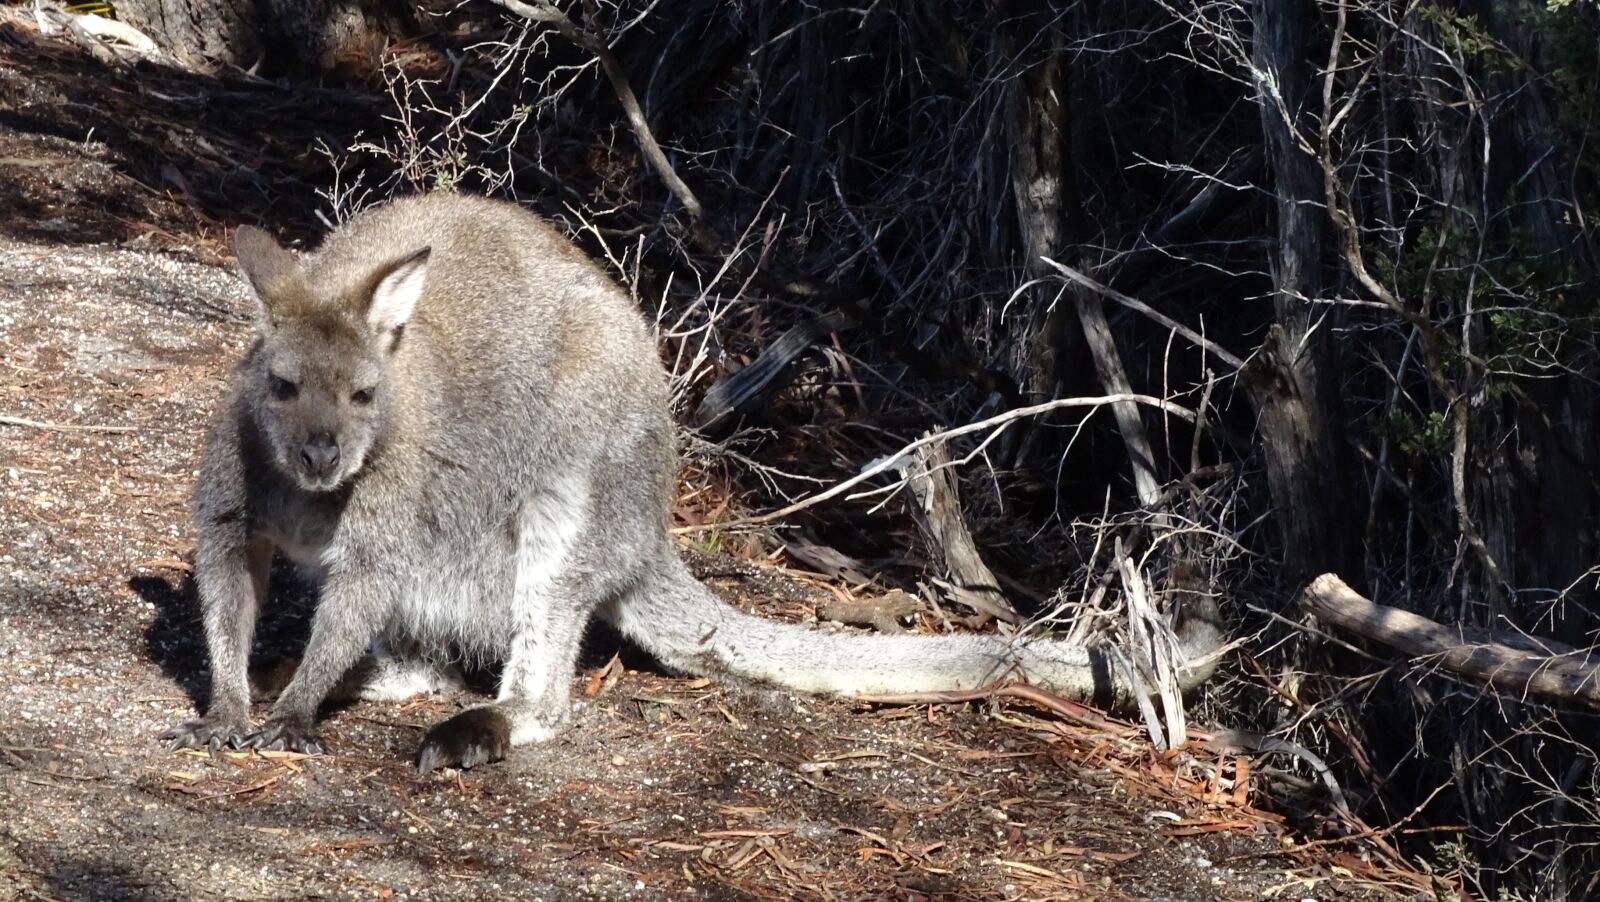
(282, 388)
(362, 397)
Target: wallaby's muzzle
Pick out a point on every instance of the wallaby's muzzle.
(320, 455)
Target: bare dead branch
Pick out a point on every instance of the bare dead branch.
(21, 423)
(897, 459)
(1114, 377)
(1152, 641)
(1109, 293)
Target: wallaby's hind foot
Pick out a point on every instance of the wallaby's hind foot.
(528, 712)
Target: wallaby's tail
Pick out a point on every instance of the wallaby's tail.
(687, 628)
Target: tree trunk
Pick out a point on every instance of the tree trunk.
(1547, 471)
(1290, 380)
(1036, 125)
(1036, 131)
(198, 32)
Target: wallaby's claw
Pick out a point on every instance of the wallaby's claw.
(205, 732)
(284, 736)
(473, 737)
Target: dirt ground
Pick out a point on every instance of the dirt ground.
(117, 327)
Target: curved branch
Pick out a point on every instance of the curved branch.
(897, 459)
(1138, 306)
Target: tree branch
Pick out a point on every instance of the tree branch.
(546, 12)
(1109, 293)
(897, 459)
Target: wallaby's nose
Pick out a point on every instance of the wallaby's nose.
(320, 454)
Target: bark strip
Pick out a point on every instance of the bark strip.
(938, 509)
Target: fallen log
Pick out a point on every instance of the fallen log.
(1504, 662)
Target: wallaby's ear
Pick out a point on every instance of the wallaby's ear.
(271, 270)
(395, 292)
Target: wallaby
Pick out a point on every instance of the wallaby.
(461, 425)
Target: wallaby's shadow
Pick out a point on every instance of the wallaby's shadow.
(176, 639)
(83, 876)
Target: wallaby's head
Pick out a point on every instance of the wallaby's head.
(319, 383)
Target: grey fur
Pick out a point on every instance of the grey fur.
(509, 477)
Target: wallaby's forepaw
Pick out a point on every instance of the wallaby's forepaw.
(214, 733)
(285, 736)
(473, 737)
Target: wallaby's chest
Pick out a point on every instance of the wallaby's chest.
(302, 526)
